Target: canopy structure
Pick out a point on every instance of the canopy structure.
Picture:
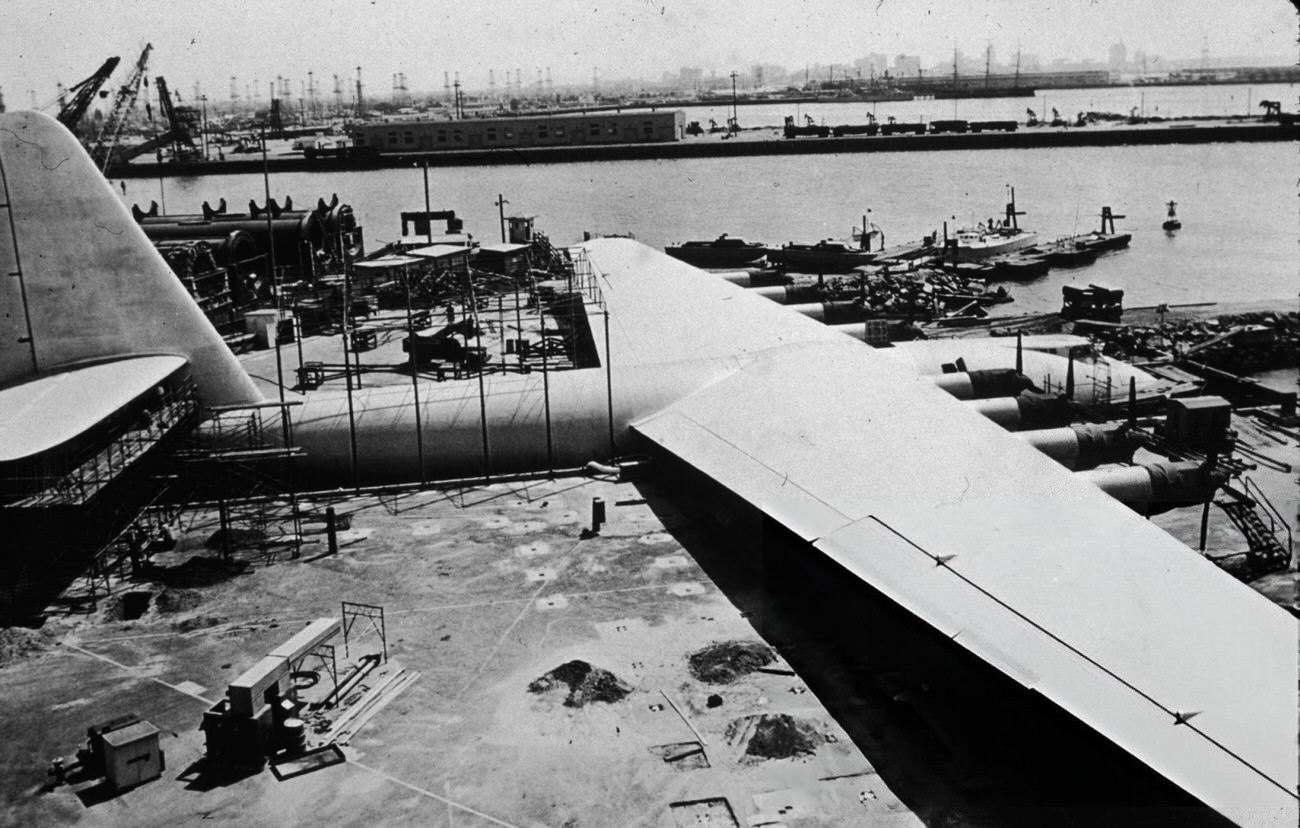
(48, 411)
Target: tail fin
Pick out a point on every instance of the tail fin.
(78, 278)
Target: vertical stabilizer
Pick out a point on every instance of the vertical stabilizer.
(81, 281)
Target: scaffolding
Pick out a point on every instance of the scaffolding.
(77, 517)
(353, 610)
(240, 465)
(97, 467)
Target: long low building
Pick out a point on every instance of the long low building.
(550, 131)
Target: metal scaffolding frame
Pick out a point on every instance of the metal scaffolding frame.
(353, 610)
(246, 460)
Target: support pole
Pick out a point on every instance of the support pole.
(347, 372)
(482, 391)
(415, 374)
(519, 329)
(428, 226)
(546, 390)
(297, 338)
(609, 387)
(279, 300)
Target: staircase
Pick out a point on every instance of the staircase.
(553, 259)
(1267, 551)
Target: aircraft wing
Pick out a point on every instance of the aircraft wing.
(1038, 573)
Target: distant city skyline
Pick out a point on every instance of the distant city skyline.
(241, 47)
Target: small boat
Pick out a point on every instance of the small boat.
(723, 251)
(828, 255)
(989, 239)
(1172, 222)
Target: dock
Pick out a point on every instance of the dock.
(755, 142)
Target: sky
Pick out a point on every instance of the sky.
(44, 43)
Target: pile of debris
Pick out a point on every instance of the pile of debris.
(724, 662)
(21, 643)
(1239, 344)
(919, 294)
(586, 684)
(773, 736)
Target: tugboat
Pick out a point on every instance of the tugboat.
(721, 252)
(992, 239)
(1172, 223)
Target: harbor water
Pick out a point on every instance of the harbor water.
(1237, 202)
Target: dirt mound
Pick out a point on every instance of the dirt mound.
(176, 600)
(236, 537)
(21, 643)
(724, 662)
(773, 736)
(586, 684)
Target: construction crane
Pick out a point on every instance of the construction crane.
(123, 106)
(180, 122)
(84, 94)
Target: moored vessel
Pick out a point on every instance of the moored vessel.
(1083, 249)
(827, 255)
(723, 251)
(972, 244)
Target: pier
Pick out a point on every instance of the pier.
(748, 143)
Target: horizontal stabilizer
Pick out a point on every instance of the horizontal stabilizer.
(84, 283)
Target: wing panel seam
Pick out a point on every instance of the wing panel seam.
(1180, 718)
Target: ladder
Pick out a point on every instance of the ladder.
(1267, 552)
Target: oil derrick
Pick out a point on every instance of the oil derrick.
(361, 110)
(276, 119)
(123, 108)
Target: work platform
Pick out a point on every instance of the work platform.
(71, 433)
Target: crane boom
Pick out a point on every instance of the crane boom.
(178, 135)
(84, 93)
(123, 105)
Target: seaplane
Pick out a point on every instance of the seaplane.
(1063, 596)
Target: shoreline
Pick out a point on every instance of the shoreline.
(768, 142)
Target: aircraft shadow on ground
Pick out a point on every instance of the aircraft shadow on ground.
(955, 740)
